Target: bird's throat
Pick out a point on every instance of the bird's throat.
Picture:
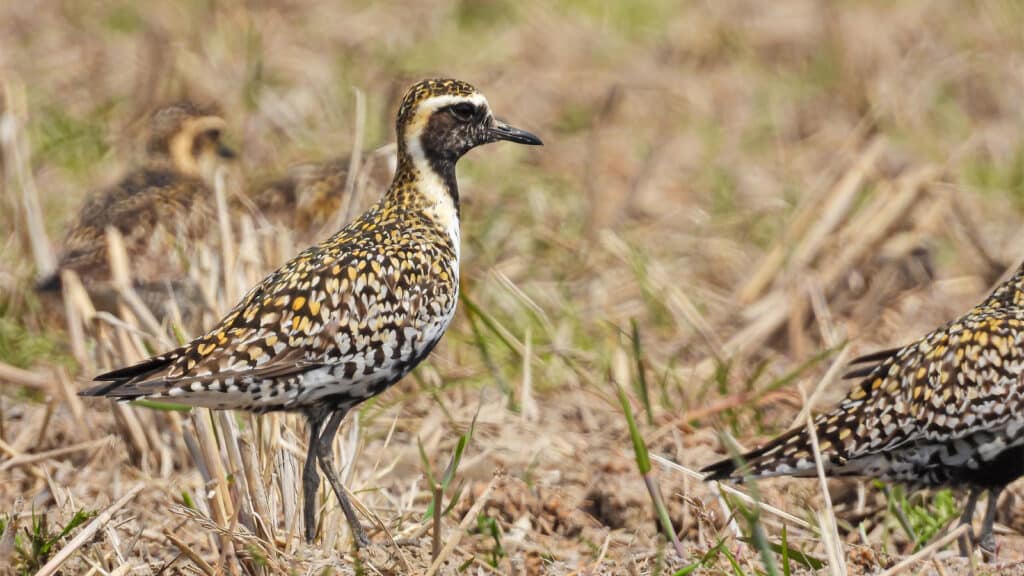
(430, 188)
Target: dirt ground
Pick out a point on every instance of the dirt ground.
(732, 197)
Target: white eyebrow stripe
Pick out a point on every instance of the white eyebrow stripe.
(438, 102)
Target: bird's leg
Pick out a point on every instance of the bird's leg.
(326, 455)
(310, 477)
(968, 515)
(987, 542)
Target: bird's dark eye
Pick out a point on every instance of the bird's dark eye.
(463, 111)
(213, 134)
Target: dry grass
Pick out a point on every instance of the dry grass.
(753, 185)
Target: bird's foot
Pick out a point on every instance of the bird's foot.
(988, 547)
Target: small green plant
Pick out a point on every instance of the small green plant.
(710, 559)
(35, 546)
(449, 472)
(922, 518)
(489, 527)
(790, 555)
(706, 560)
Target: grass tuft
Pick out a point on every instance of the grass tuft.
(34, 546)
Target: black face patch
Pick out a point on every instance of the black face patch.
(452, 131)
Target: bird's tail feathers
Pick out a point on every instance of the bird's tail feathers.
(122, 382)
(791, 454)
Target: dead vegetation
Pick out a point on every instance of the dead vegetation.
(734, 196)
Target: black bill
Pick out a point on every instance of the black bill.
(502, 131)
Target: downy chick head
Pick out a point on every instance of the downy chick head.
(188, 136)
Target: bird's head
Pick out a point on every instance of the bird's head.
(189, 136)
(442, 119)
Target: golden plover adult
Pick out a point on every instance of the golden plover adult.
(309, 196)
(352, 315)
(946, 410)
(306, 197)
(169, 196)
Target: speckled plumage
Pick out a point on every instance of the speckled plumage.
(349, 317)
(946, 410)
(167, 198)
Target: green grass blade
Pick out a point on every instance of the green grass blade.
(485, 353)
(704, 562)
(488, 321)
(786, 568)
(643, 458)
(790, 555)
(643, 462)
(426, 462)
(453, 466)
(641, 372)
(162, 406)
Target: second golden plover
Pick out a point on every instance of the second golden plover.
(946, 410)
(352, 315)
(310, 195)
